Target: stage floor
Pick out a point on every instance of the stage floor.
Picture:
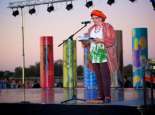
(120, 96)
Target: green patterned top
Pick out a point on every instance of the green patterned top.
(98, 53)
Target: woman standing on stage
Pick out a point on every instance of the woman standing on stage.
(102, 53)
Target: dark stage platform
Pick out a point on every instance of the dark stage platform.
(48, 101)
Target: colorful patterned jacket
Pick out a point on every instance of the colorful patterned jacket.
(109, 42)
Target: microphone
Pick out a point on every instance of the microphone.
(85, 22)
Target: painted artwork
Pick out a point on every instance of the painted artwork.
(69, 64)
(140, 55)
(46, 62)
(90, 81)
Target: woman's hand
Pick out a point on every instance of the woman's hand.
(85, 43)
(98, 40)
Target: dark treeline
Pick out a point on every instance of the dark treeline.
(34, 71)
(31, 71)
(32, 74)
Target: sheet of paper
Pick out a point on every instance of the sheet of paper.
(83, 38)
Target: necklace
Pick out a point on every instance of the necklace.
(97, 29)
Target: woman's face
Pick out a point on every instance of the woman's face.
(97, 20)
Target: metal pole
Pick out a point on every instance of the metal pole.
(23, 55)
(23, 50)
(151, 85)
(144, 88)
(26, 3)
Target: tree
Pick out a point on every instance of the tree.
(37, 69)
(8, 74)
(80, 70)
(1, 74)
(18, 71)
(31, 70)
(58, 68)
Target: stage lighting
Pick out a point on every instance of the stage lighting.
(69, 6)
(15, 13)
(132, 0)
(50, 8)
(32, 11)
(89, 4)
(153, 4)
(110, 2)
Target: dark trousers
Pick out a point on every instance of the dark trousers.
(103, 79)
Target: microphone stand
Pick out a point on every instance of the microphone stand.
(71, 36)
(74, 96)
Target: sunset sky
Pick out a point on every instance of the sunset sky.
(123, 15)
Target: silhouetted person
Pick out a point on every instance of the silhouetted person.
(36, 84)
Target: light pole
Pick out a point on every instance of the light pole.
(23, 54)
(23, 48)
